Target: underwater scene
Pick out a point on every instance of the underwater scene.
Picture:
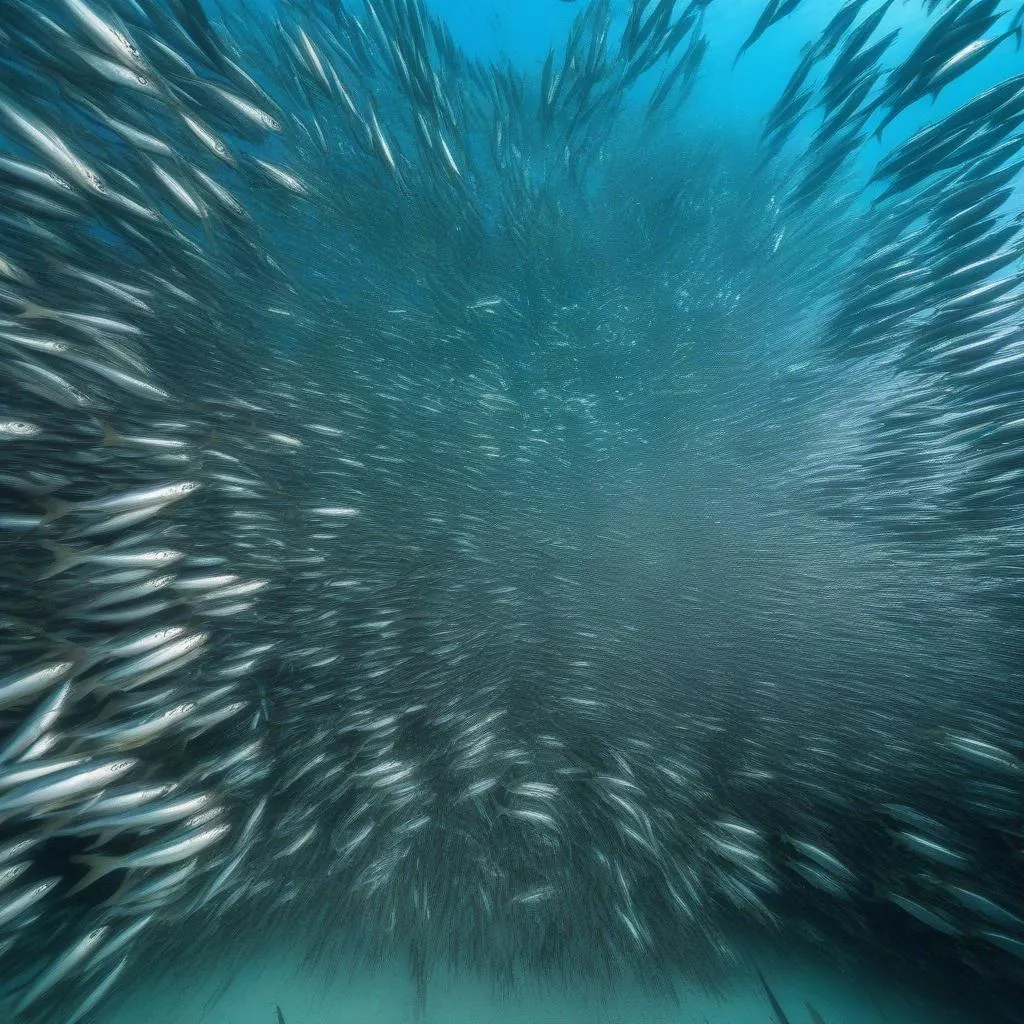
(511, 512)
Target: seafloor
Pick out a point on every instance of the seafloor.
(250, 995)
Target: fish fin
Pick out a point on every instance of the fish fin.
(97, 865)
(63, 558)
(33, 311)
(55, 508)
(780, 1015)
(110, 435)
(102, 839)
(816, 1018)
(78, 655)
(124, 888)
(890, 115)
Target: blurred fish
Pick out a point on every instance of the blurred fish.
(435, 491)
(773, 12)
(777, 1010)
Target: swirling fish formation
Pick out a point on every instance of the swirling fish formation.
(500, 519)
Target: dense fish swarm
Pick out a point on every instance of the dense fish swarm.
(490, 519)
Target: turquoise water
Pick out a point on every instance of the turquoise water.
(248, 993)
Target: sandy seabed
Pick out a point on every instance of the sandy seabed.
(250, 995)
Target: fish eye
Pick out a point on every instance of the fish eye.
(142, 79)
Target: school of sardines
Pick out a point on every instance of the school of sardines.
(476, 516)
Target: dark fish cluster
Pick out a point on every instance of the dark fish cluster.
(486, 517)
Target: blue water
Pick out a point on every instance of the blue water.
(213, 986)
(729, 97)
(733, 101)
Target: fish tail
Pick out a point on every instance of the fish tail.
(54, 509)
(884, 123)
(100, 841)
(64, 558)
(97, 866)
(110, 436)
(33, 311)
(75, 652)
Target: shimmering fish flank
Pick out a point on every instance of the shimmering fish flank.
(494, 517)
